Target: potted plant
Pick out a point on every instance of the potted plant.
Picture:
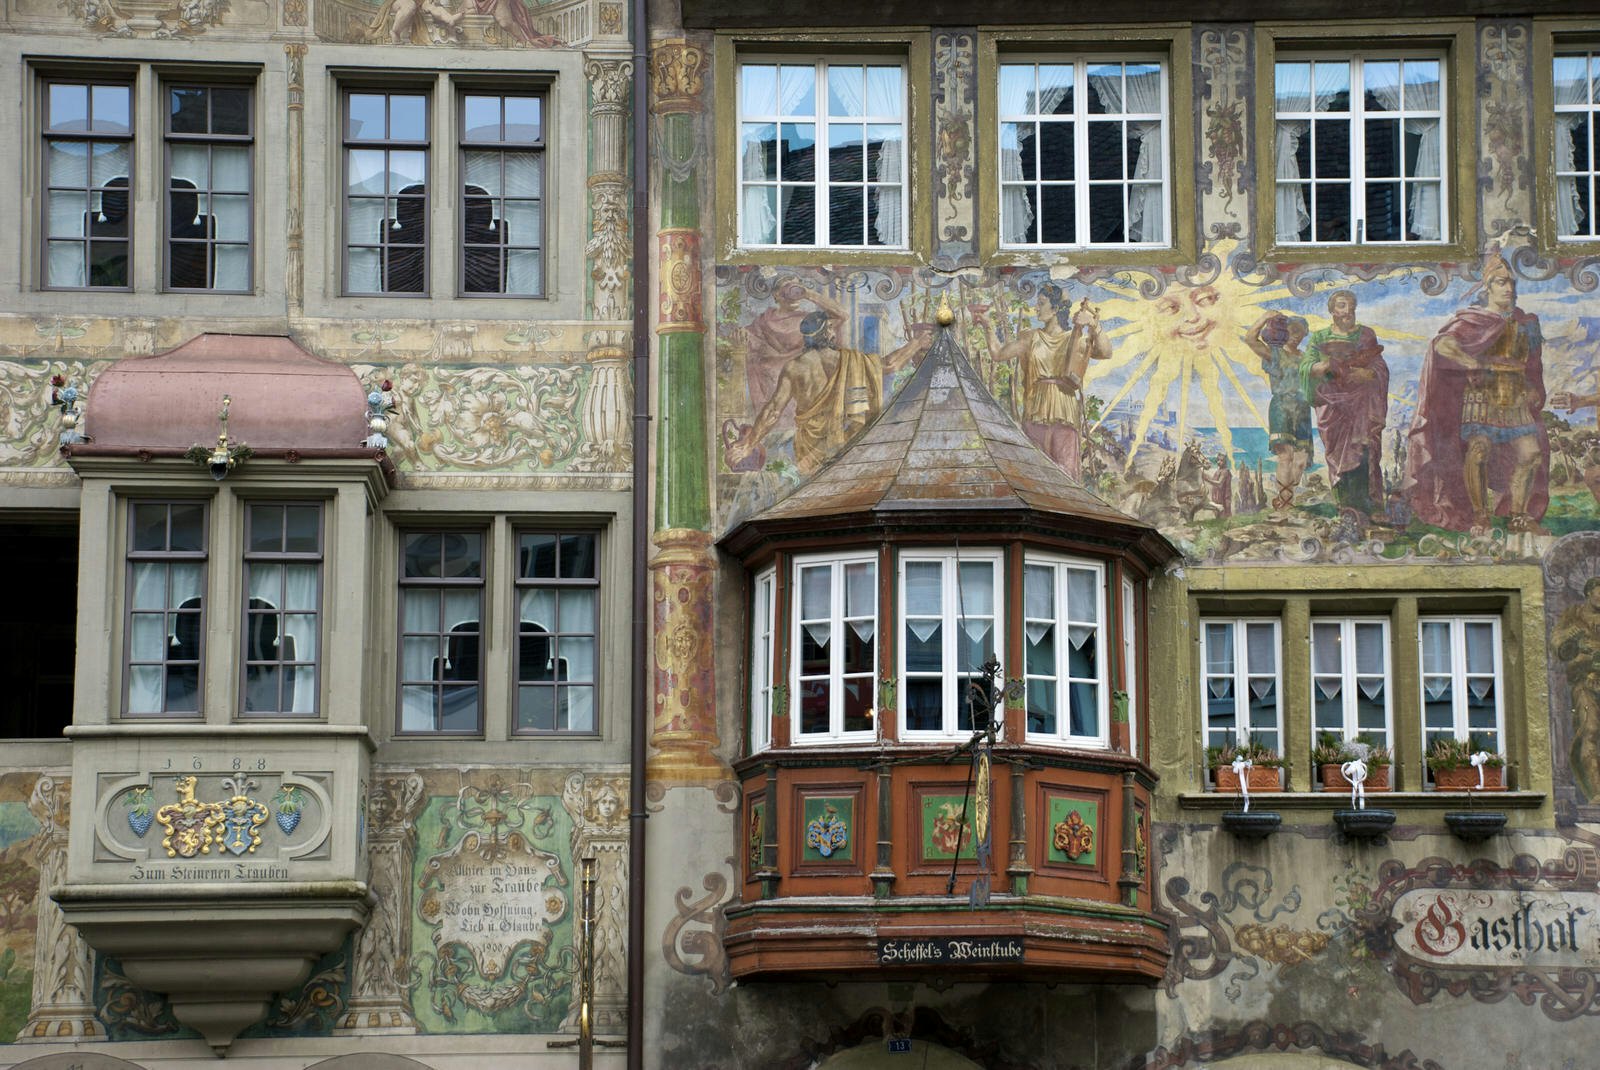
(1331, 752)
(1450, 761)
(1264, 766)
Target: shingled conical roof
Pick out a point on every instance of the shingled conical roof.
(943, 445)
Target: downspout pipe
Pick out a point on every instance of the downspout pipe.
(640, 734)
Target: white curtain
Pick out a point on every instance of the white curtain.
(1570, 215)
(1016, 214)
(889, 197)
(1296, 92)
(299, 589)
(1422, 198)
(1145, 204)
(1291, 196)
(796, 99)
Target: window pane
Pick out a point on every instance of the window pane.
(69, 107)
(1219, 648)
(111, 109)
(408, 118)
(1480, 637)
(480, 118)
(366, 116)
(230, 111)
(1262, 648)
(1325, 646)
(1042, 706)
(977, 588)
(1369, 648)
(758, 89)
(884, 91)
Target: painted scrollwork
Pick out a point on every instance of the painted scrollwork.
(692, 942)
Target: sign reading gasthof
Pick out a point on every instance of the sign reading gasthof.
(1457, 927)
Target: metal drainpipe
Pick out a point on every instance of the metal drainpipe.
(641, 531)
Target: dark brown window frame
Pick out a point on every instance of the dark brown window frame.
(386, 145)
(250, 559)
(210, 141)
(536, 149)
(441, 585)
(132, 557)
(557, 583)
(47, 134)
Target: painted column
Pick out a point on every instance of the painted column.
(684, 732)
(955, 83)
(294, 240)
(1505, 172)
(609, 247)
(62, 965)
(598, 805)
(379, 1003)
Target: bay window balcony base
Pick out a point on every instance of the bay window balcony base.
(1012, 938)
(218, 957)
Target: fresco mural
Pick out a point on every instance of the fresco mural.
(1252, 416)
(1518, 925)
(19, 892)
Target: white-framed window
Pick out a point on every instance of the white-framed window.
(1084, 155)
(1064, 651)
(948, 629)
(1361, 154)
(1130, 661)
(1242, 694)
(834, 649)
(1577, 112)
(1462, 695)
(763, 606)
(822, 152)
(1350, 692)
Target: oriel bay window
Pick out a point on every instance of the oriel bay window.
(1064, 649)
(283, 608)
(820, 659)
(950, 607)
(835, 649)
(166, 602)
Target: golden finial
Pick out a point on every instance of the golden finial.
(945, 316)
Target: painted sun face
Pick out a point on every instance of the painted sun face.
(1192, 316)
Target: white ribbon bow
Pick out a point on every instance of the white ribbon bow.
(1241, 769)
(1479, 760)
(1355, 771)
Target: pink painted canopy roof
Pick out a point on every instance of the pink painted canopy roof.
(283, 397)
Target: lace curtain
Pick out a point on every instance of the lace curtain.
(1016, 212)
(1422, 201)
(1295, 92)
(1570, 215)
(1145, 208)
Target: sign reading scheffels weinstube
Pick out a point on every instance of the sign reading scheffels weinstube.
(1499, 928)
(925, 951)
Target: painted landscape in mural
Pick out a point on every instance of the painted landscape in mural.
(1251, 414)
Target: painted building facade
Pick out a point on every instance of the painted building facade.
(1300, 309)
